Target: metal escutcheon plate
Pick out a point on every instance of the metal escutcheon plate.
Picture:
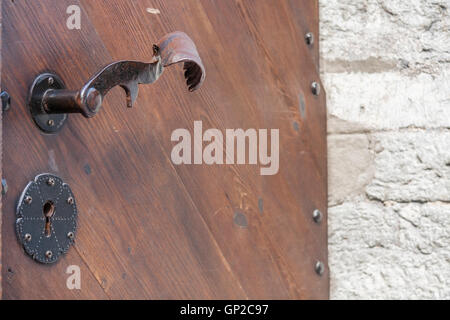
(46, 218)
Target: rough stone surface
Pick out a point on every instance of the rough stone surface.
(389, 251)
(388, 100)
(386, 69)
(411, 167)
(408, 34)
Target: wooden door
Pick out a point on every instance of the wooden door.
(147, 228)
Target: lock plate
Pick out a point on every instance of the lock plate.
(46, 218)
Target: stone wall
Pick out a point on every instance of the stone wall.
(386, 69)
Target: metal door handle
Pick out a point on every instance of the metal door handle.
(50, 101)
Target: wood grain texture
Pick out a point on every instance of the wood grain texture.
(149, 229)
(305, 14)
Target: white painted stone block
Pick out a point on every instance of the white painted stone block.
(412, 34)
(411, 167)
(388, 100)
(390, 251)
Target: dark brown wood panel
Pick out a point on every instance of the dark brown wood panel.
(147, 228)
(305, 15)
(227, 49)
(26, 152)
(136, 225)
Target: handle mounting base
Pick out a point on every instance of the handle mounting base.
(49, 123)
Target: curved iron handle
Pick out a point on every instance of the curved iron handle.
(173, 48)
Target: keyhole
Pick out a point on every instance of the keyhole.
(48, 210)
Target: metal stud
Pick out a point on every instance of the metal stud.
(6, 100)
(309, 38)
(27, 237)
(317, 216)
(70, 235)
(51, 182)
(315, 88)
(50, 123)
(70, 200)
(49, 254)
(28, 200)
(50, 81)
(319, 268)
(4, 187)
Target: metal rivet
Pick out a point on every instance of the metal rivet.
(50, 123)
(70, 200)
(317, 216)
(51, 182)
(93, 99)
(6, 100)
(319, 268)
(50, 81)
(70, 235)
(315, 88)
(49, 254)
(28, 200)
(27, 237)
(309, 38)
(4, 187)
